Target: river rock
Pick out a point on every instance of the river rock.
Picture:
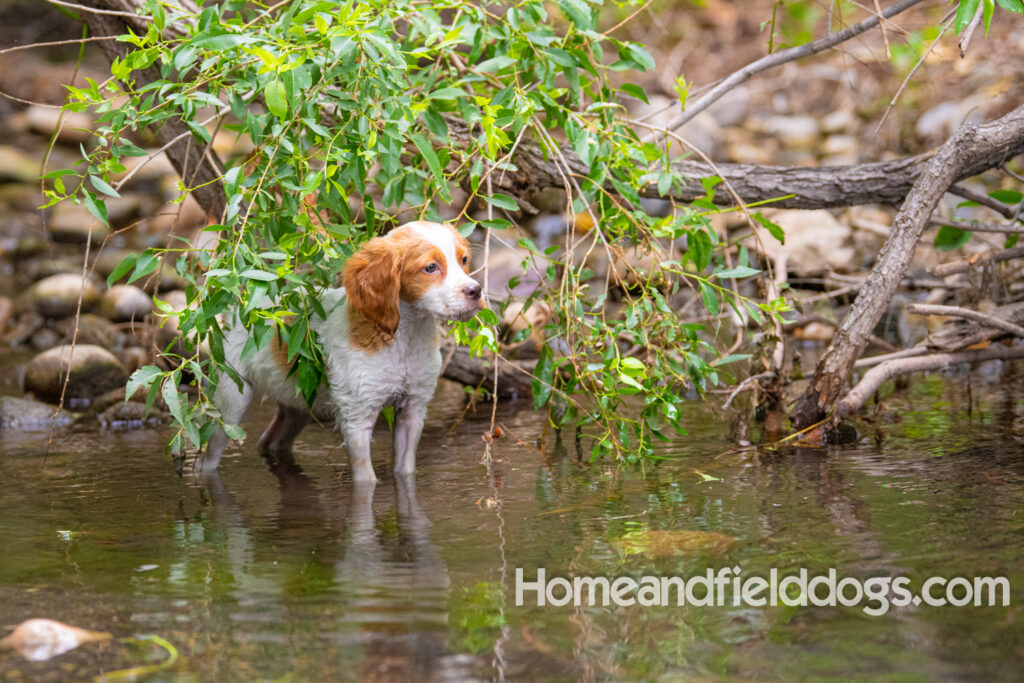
(74, 224)
(45, 338)
(17, 166)
(28, 415)
(75, 127)
(815, 242)
(122, 303)
(6, 311)
(795, 131)
(21, 196)
(57, 296)
(36, 269)
(93, 370)
(92, 329)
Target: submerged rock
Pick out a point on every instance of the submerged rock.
(122, 303)
(57, 296)
(92, 329)
(28, 415)
(93, 370)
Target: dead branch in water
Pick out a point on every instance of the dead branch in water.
(958, 312)
(876, 376)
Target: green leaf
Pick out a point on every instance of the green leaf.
(964, 13)
(502, 201)
(635, 91)
(737, 273)
(950, 238)
(96, 208)
(1015, 6)
(433, 163)
(255, 274)
(102, 186)
(774, 229)
(447, 94)
(495, 64)
(122, 269)
(277, 98)
(144, 265)
(140, 378)
(543, 376)
(173, 400)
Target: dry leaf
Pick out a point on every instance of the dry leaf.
(662, 543)
(40, 639)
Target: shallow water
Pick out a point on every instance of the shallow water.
(277, 573)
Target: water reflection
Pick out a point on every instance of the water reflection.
(387, 617)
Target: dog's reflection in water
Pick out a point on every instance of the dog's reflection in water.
(388, 586)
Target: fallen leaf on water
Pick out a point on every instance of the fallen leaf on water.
(40, 639)
(661, 543)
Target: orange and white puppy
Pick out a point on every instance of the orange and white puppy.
(381, 343)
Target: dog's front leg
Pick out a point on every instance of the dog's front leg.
(357, 442)
(408, 428)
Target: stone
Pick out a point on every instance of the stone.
(45, 338)
(74, 127)
(36, 269)
(17, 166)
(73, 224)
(792, 131)
(939, 122)
(122, 303)
(57, 296)
(92, 329)
(6, 311)
(21, 196)
(28, 415)
(816, 242)
(92, 371)
(838, 121)
(840, 145)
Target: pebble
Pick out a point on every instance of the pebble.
(28, 415)
(73, 224)
(792, 130)
(92, 371)
(122, 303)
(57, 296)
(75, 127)
(17, 166)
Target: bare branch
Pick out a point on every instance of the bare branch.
(977, 261)
(784, 56)
(967, 314)
(875, 377)
(1007, 229)
(965, 37)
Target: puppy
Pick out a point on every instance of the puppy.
(381, 343)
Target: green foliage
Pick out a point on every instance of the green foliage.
(348, 106)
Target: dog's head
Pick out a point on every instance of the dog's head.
(423, 264)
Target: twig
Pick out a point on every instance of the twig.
(965, 37)
(968, 314)
(71, 41)
(910, 75)
(93, 10)
(876, 376)
(979, 227)
(885, 35)
(782, 57)
(871, 361)
(983, 199)
(977, 261)
(748, 383)
(170, 143)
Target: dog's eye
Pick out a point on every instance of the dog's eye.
(465, 260)
(432, 268)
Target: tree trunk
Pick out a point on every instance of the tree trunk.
(996, 142)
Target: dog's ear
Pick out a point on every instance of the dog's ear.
(371, 282)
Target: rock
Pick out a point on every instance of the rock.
(815, 331)
(122, 303)
(838, 121)
(703, 131)
(30, 246)
(939, 122)
(732, 108)
(815, 242)
(73, 224)
(6, 311)
(45, 338)
(129, 415)
(29, 415)
(93, 370)
(26, 325)
(134, 357)
(17, 166)
(57, 295)
(21, 197)
(75, 127)
(92, 329)
(846, 145)
(506, 276)
(34, 270)
(793, 131)
(534, 318)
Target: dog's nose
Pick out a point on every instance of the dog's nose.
(472, 291)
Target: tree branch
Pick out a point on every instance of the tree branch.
(876, 376)
(995, 139)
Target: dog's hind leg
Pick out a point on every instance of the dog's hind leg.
(279, 436)
(232, 402)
